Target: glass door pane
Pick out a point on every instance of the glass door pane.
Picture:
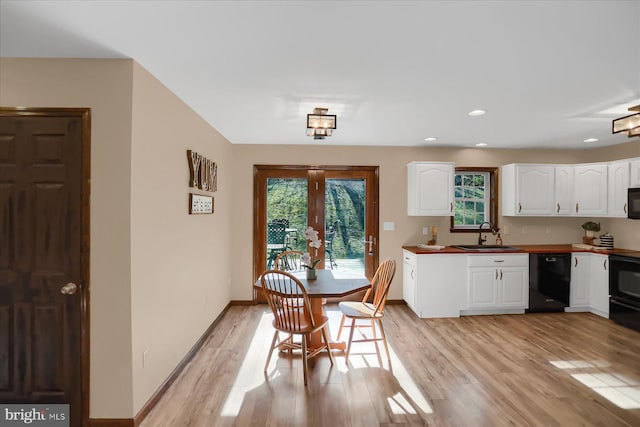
(287, 212)
(345, 225)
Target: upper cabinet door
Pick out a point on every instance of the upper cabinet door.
(535, 189)
(590, 190)
(527, 190)
(430, 188)
(564, 190)
(634, 173)
(618, 184)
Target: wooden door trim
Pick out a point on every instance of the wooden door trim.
(259, 210)
(85, 115)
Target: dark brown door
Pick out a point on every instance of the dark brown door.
(42, 263)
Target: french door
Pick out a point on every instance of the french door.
(340, 202)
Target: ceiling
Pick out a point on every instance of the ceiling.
(395, 72)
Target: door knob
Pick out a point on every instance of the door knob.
(69, 289)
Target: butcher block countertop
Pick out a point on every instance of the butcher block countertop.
(532, 249)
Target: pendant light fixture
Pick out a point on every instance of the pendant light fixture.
(629, 124)
(320, 124)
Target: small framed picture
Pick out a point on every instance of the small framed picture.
(199, 204)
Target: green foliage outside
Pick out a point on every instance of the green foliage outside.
(344, 201)
(469, 207)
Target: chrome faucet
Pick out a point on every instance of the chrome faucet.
(493, 230)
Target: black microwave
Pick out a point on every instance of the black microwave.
(633, 203)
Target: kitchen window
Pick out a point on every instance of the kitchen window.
(476, 198)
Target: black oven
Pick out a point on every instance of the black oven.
(633, 203)
(624, 289)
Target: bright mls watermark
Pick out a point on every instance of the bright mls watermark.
(41, 415)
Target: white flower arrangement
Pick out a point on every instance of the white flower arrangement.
(307, 259)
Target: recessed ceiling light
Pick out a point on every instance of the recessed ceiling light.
(591, 140)
(481, 144)
(430, 138)
(477, 112)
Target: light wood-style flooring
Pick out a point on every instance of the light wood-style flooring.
(558, 369)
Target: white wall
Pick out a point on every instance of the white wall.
(180, 270)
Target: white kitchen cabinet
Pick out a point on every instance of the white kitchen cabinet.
(634, 173)
(409, 282)
(590, 189)
(563, 190)
(528, 190)
(599, 284)
(434, 282)
(497, 284)
(579, 294)
(430, 188)
(618, 178)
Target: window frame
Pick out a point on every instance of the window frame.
(493, 197)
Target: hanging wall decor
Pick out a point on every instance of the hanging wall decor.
(203, 175)
(199, 204)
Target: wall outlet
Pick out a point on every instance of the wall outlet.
(388, 226)
(425, 231)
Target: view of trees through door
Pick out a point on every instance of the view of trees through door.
(338, 202)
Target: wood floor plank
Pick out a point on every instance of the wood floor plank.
(557, 369)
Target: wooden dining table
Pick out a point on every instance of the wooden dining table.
(328, 284)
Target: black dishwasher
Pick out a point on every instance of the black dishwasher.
(549, 282)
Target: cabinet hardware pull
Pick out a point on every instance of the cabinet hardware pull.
(519, 207)
(558, 209)
(412, 273)
(576, 208)
(450, 207)
(605, 264)
(500, 274)
(498, 260)
(625, 207)
(576, 264)
(496, 274)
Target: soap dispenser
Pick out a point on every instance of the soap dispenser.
(498, 240)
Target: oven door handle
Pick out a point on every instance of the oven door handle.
(615, 301)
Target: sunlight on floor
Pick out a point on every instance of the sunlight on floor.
(408, 400)
(621, 390)
(250, 374)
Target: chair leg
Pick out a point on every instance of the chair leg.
(304, 358)
(384, 340)
(325, 334)
(341, 326)
(273, 344)
(353, 328)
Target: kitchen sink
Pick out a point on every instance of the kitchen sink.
(487, 248)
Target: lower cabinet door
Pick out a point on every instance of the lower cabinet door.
(513, 292)
(409, 285)
(483, 290)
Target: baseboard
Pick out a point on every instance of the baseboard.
(395, 302)
(111, 422)
(152, 402)
(242, 302)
